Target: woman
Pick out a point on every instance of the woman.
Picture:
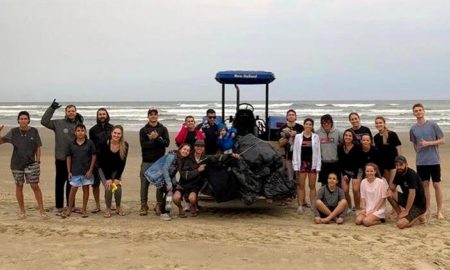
(357, 128)
(370, 153)
(331, 203)
(350, 162)
(306, 161)
(112, 159)
(189, 133)
(162, 175)
(373, 198)
(389, 145)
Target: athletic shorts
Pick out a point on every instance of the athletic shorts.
(429, 172)
(81, 180)
(306, 167)
(415, 211)
(30, 174)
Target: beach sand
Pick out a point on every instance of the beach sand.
(223, 236)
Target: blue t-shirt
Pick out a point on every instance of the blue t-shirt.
(429, 131)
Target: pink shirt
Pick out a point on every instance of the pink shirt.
(372, 193)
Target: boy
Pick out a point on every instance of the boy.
(227, 138)
(25, 160)
(80, 161)
(331, 202)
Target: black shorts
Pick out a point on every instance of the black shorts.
(327, 168)
(414, 212)
(97, 178)
(322, 215)
(429, 172)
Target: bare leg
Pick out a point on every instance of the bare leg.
(38, 195)
(176, 198)
(85, 201)
(345, 188)
(301, 188)
(356, 192)
(370, 220)
(426, 187)
(312, 178)
(19, 197)
(72, 194)
(438, 194)
(193, 201)
(360, 218)
(96, 193)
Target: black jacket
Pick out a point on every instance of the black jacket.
(152, 150)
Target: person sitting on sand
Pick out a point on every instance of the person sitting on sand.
(411, 203)
(81, 158)
(373, 197)
(25, 160)
(111, 161)
(331, 203)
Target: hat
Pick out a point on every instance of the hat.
(152, 109)
(199, 142)
(221, 126)
(400, 159)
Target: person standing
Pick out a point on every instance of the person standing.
(209, 128)
(154, 138)
(306, 161)
(427, 136)
(189, 133)
(99, 135)
(64, 130)
(357, 128)
(410, 204)
(25, 160)
(111, 163)
(330, 138)
(287, 134)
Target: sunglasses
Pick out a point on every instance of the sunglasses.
(211, 117)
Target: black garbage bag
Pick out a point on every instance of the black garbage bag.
(278, 186)
(250, 184)
(223, 183)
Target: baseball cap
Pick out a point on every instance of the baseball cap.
(152, 109)
(400, 159)
(200, 142)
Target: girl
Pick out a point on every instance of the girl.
(370, 153)
(112, 159)
(357, 128)
(350, 161)
(330, 203)
(373, 198)
(162, 175)
(389, 145)
(306, 161)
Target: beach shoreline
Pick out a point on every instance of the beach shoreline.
(223, 236)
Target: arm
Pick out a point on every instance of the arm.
(91, 166)
(296, 156)
(165, 170)
(38, 154)
(121, 166)
(69, 166)
(181, 136)
(409, 203)
(46, 118)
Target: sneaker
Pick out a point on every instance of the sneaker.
(165, 217)
(300, 210)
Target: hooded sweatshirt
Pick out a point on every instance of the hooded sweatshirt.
(64, 130)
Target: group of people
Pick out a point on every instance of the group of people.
(371, 165)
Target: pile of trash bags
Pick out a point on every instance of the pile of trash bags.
(259, 172)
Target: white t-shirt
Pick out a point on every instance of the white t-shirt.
(372, 193)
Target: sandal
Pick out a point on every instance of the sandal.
(157, 210)
(95, 210)
(84, 214)
(107, 213)
(144, 210)
(120, 212)
(44, 215)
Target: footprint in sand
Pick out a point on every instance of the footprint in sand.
(357, 237)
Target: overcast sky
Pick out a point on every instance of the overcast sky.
(171, 50)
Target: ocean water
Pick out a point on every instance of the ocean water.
(133, 115)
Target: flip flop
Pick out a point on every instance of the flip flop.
(120, 212)
(182, 215)
(84, 214)
(95, 210)
(194, 213)
(43, 215)
(107, 214)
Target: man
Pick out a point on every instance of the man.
(99, 134)
(330, 138)
(286, 141)
(64, 130)
(426, 137)
(25, 160)
(154, 138)
(211, 132)
(410, 205)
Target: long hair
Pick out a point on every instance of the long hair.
(107, 115)
(180, 159)
(375, 167)
(123, 149)
(385, 132)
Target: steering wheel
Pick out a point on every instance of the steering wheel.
(247, 106)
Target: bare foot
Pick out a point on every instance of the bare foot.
(317, 220)
(339, 220)
(22, 215)
(440, 215)
(324, 221)
(43, 214)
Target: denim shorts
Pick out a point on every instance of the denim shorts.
(81, 180)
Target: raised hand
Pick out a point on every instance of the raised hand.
(55, 105)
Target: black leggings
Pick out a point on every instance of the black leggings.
(61, 179)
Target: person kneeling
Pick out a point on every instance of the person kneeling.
(410, 205)
(331, 203)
